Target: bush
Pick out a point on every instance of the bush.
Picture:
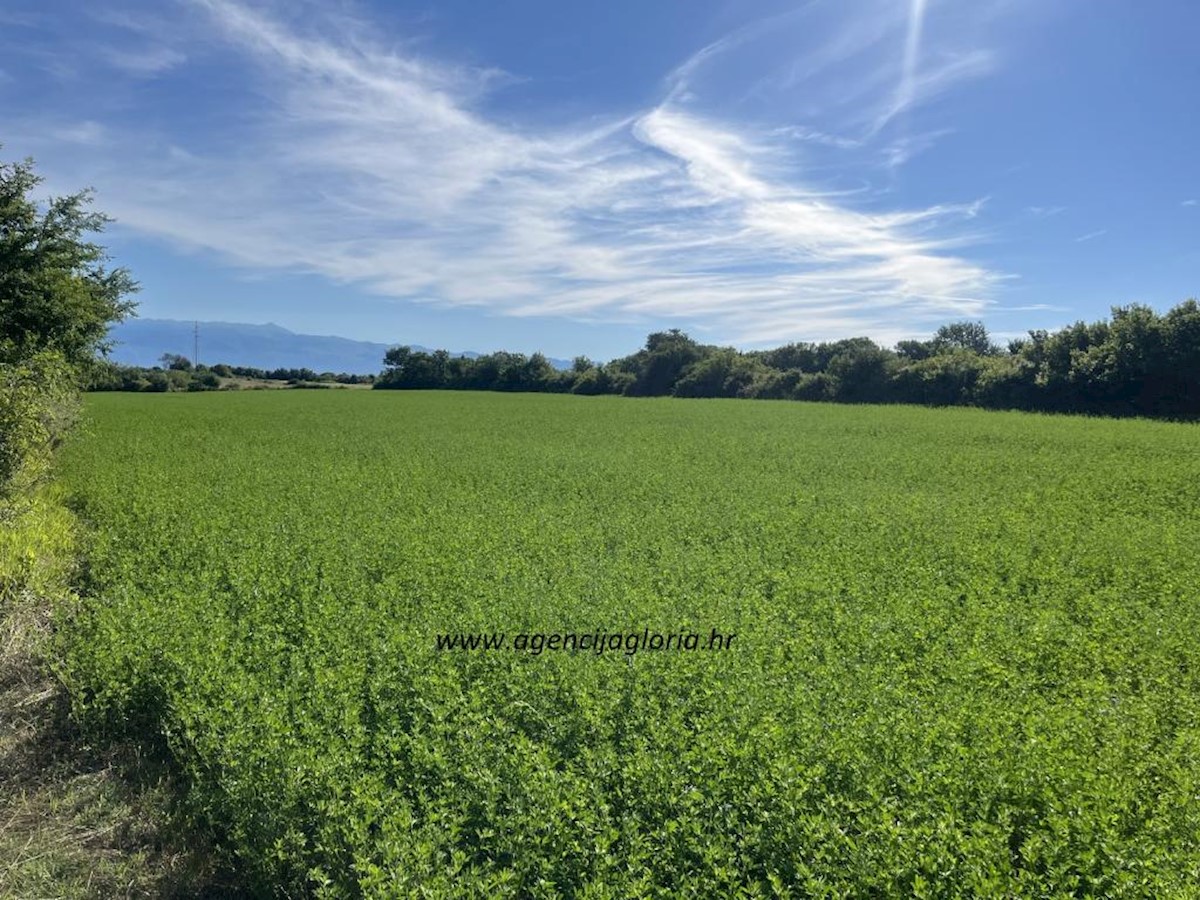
(37, 404)
(946, 379)
(821, 386)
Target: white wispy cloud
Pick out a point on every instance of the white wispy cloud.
(906, 92)
(1035, 307)
(87, 133)
(149, 60)
(902, 149)
(813, 135)
(1091, 235)
(376, 167)
(1188, 203)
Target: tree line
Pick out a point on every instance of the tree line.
(178, 373)
(1135, 363)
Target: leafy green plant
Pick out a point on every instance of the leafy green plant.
(967, 662)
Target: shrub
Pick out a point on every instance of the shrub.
(37, 404)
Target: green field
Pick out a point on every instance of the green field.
(967, 654)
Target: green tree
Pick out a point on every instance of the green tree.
(946, 379)
(723, 373)
(862, 370)
(176, 362)
(658, 366)
(915, 351)
(57, 294)
(1181, 345)
(971, 336)
(800, 357)
(57, 301)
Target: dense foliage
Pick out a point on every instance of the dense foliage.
(968, 658)
(56, 294)
(1138, 363)
(57, 301)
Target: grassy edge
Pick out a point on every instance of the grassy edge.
(78, 818)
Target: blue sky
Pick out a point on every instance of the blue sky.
(568, 177)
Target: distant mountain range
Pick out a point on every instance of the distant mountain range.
(142, 342)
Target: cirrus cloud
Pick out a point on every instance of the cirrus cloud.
(378, 168)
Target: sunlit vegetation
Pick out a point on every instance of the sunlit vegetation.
(1138, 363)
(968, 658)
